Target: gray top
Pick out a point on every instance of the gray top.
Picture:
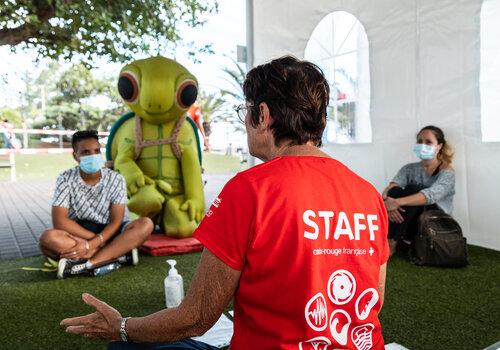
(89, 202)
(438, 189)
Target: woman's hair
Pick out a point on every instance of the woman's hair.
(297, 95)
(445, 155)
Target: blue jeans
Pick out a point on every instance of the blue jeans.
(186, 344)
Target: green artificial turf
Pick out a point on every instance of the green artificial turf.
(33, 303)
(441, 308)
(46, 166)
(425, 308)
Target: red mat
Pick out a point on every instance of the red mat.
(159, 245)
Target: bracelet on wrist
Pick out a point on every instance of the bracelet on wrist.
(123, 331)
(101, 238)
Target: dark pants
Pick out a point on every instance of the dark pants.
(409, 227)
(97, 228)
(186, 344)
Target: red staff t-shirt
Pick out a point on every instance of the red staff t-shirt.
(309, 237)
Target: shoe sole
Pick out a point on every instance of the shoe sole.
(135, 256)
(60, 268)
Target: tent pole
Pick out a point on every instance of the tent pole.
(250, 54)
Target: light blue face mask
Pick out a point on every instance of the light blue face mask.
(91, 164)
(424, 152)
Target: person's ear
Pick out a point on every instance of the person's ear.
(75, 157)
(265, 118)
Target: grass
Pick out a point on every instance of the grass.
(218, 163)
(33, 303)
(32, 167)
(425, 308)
(438, 308)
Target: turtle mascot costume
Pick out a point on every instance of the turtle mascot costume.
(156, 147)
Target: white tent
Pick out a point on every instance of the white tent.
(425, 67)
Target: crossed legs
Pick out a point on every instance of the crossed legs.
(53, 242)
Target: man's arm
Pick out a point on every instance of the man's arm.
(116, 213)
(213, 285)
(61, 221)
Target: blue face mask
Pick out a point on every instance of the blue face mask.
(91, 164)
(424, 152)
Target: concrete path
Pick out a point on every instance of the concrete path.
(25, 213)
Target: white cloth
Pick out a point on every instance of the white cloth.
(220, 334)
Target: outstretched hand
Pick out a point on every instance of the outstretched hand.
(104, 323)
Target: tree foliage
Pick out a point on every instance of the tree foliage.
(12, 115)
(89, 28)
(235, 77)
(232, 96)
(71, 96)
(212, 105)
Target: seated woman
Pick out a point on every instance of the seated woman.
(428, 184)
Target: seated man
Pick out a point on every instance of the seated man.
(88, 212)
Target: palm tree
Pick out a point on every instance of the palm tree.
(232, 96)
(212, 106)
(235, 77)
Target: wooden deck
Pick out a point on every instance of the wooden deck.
(25, 213)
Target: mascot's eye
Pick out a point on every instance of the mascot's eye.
(128, 86)
(187, 93)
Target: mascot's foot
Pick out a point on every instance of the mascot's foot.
(175, 221)
(146, 202)
(181, 231)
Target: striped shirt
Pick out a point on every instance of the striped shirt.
(87, 202)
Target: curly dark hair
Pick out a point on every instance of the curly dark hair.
(297, 95)
(83, 135)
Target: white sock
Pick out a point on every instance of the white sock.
(88, 265)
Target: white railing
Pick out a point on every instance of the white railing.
(11, 152)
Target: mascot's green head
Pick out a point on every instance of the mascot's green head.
(157, 89)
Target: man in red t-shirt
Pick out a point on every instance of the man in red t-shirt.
(299, 241)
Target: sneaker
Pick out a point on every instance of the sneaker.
(105, 269)
(67, 268)
(131, 258)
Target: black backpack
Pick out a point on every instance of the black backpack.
(439, 241)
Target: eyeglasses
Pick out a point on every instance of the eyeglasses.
(242, 111)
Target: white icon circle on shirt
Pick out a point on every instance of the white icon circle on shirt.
(362, 336)
(366, 301)
(315, 343)
(345, 322)
(341, 287)
(316, 312)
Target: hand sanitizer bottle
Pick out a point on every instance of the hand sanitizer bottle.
(174, 287)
